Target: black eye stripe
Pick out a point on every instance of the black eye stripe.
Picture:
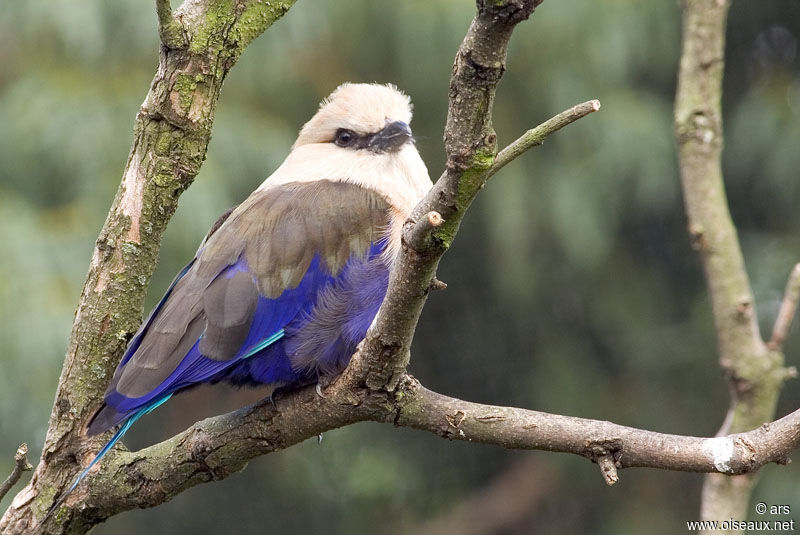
(390, 138)
(346, 138)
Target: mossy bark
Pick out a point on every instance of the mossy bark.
(200, 44)
(471, 146)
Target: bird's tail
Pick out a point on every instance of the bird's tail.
(110, 444)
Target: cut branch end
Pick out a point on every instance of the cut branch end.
(418, 235)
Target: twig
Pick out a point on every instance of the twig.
(786, 314)
(169, 29)
(21, 464)
(535, 136)
(437, 285)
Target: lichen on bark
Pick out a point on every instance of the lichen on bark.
(200, 44)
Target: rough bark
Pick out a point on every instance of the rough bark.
(172, 129)
(755, 372)
(471, 146)
(218, 447)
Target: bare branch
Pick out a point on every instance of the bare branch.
(536, 136)
(626, 446)
(786, 313)
(437, 285)
(21, 464)
(218, 447)
(164, 12)
(470, 143)
(170, 30)
(756, 373)
(608, 469)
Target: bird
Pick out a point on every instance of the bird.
(285, 285)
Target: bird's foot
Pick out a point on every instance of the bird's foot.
(322, 382)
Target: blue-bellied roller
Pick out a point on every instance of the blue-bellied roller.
(284, 287)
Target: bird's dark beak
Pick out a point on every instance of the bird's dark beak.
(391, 138)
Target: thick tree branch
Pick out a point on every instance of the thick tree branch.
(525, 429)
(217, 447)
(471, 145)
(756, 373)
(171, 135)
(21, 464)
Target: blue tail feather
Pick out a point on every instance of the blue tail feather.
(110, 444)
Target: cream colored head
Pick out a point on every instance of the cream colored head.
(376, 152)
(362, 108)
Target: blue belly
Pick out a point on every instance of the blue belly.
(321, 339)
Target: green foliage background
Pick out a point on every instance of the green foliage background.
(572, 285)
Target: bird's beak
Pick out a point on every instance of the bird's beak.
(391, 138)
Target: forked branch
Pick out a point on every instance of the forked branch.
(755, 372)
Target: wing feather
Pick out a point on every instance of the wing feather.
(263, 266)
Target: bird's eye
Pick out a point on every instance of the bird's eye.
(344, 137)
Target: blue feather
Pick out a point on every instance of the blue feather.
(110, 444)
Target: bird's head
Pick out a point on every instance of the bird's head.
(361, 117)
(360, 135)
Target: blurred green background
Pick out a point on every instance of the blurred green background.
(572, 285)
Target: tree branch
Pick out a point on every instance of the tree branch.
(420, 233)
(525, 429)
(786, 313)
(169, 30)
(536, 136)
(218, 447)
(171, 135)
(21, 464)
(755, 373)
(471, 145)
